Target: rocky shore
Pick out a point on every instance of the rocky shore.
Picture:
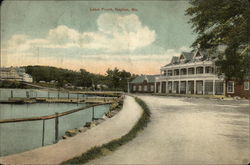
(114, 109)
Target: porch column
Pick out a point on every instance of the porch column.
(160, 87)
(203, 86)
(213, 87)
(172, 86)
(194, 86)
(204, 69)
(166, 86)
(179, 87)
(155, 87)
(186, 87)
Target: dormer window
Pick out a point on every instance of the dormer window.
(182, 59)
(198, 56)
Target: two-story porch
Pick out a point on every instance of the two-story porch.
(190, 78)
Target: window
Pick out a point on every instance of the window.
(139, 88)
(170, 72)
(190, 70)
(182, 58)
(170, 86)
(134, 88)
(183, 71)
(152, 88)
(230, 87)
(209, 69)
(246, 85)
(176, 72)
(198, 56)
(145, 88)
(199, 70)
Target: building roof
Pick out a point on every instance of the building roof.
(142, 78)
(189, 57)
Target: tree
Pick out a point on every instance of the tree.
(118, 79)
(223, 22)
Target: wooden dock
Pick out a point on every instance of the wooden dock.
(18, 100)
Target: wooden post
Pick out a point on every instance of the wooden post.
(48, 94)
(27, 94)
(93, 113)
(68, 95)
(11, 93)
(56, 127)
(58, 95)
(43, 132)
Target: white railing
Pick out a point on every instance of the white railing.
(195, 76)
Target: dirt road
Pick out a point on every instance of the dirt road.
(189, 131)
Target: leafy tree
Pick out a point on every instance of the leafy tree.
(224, 22)
(114, 79)
(118, 78)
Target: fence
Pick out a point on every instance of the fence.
(55, 116)
(5, 94)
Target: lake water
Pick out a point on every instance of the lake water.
(23, 136)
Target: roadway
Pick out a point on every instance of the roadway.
(189, 131)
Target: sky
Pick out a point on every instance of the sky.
(137, 36)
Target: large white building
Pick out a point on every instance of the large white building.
(191, 73)
(15, 74)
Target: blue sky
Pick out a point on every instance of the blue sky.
(94, 35)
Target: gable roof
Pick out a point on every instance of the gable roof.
(189, 57)
(148, 78)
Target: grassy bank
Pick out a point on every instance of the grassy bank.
(105, 149)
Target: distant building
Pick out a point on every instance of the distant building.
(235, 88)
(143, 84)
(15, 74)
(9, 74)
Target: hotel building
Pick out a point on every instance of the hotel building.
(191, 73)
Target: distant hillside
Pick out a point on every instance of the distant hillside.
(114, 79)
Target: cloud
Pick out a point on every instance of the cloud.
(116, 33)
(97, 63)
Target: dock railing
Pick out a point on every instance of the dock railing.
(55, 116)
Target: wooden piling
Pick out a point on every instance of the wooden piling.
(56, 128)
(43, 132)
(27, 94)
(11, 93)
(93, 113)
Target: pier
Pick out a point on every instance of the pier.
(19, 100)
